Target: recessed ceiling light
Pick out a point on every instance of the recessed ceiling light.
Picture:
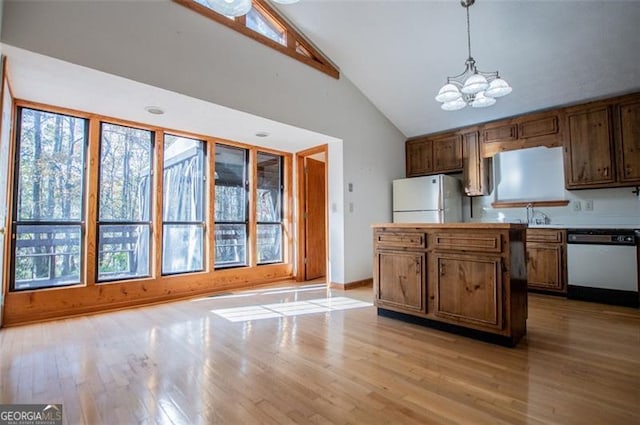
(155, 110)
(262, 134)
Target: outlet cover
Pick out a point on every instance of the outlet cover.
(588, 205)
(577, 206)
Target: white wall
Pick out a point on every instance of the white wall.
(166, 45)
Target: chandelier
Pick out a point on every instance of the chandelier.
(235, 8)
(472, 87)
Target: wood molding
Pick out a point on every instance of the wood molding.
(352, 285)
(319, 61)
(89, 297)
(523, 204)
(299, 222)
(54, 303)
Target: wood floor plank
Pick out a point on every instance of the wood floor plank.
(181, 363)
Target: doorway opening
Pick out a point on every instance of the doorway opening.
(311, 181)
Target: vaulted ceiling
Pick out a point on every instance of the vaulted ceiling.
(399, 52)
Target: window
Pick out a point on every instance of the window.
(231, 206)
(48, 201)
(259, 20)
(264, 24)
(124, 210)
(269, 208)
(183, 205)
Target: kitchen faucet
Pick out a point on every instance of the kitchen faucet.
(529, 213)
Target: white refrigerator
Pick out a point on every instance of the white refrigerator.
(428, 199)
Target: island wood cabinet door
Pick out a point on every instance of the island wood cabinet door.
(468, 289)
(400, 283)
(589, 158)
(419, 157)
(629, 139)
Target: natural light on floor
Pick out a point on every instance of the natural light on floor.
(295, 308)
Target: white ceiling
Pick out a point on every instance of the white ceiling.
(399, 52)
(51, 81)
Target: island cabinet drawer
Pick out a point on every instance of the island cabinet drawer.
(400, 239)
(490, 242)
(545, 235)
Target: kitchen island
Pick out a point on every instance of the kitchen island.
(468, 278)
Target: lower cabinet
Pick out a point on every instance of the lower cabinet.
(469, 289)
(401, 280)
(546, 253)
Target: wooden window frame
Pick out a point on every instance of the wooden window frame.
(315, 59)
(281, 161)
(89, 296)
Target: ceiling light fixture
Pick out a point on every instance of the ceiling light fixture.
(155, 110)
(472, 87)
(235, 8)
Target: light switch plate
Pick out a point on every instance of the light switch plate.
(577, 206)
(588, 205)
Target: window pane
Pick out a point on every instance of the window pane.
(269, 243)
(260, 23)
(231, 191)
(182, 248)
(231, 241)
(47, 256)
(269, 188)
(125, 173)
(123, 251)
(183, 179)
(51, 166)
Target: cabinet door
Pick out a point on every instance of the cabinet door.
(476, 170)
(629, 142)
(545, 266)
(468, 289)
(419, 157)
(447, 153)
(400, 280)
(500, 132)
(588, 149)
(538, 126)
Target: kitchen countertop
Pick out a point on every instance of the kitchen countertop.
(584, 226)
(469, 225)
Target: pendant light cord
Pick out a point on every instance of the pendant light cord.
(468, 33)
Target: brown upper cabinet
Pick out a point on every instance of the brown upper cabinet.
(434, 155)
(602, 147)
(527, 131)
(628, 136)
(419, 157)
(447, 153)
(476, 170)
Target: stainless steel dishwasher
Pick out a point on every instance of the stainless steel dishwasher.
(602, 265)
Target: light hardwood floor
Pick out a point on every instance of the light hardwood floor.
(180, 363)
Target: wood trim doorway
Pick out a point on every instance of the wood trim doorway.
(311, 213)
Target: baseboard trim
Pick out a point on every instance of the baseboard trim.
(352, 285)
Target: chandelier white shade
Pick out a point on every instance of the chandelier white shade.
(232, 8)
(472, 86)
(235, 8)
